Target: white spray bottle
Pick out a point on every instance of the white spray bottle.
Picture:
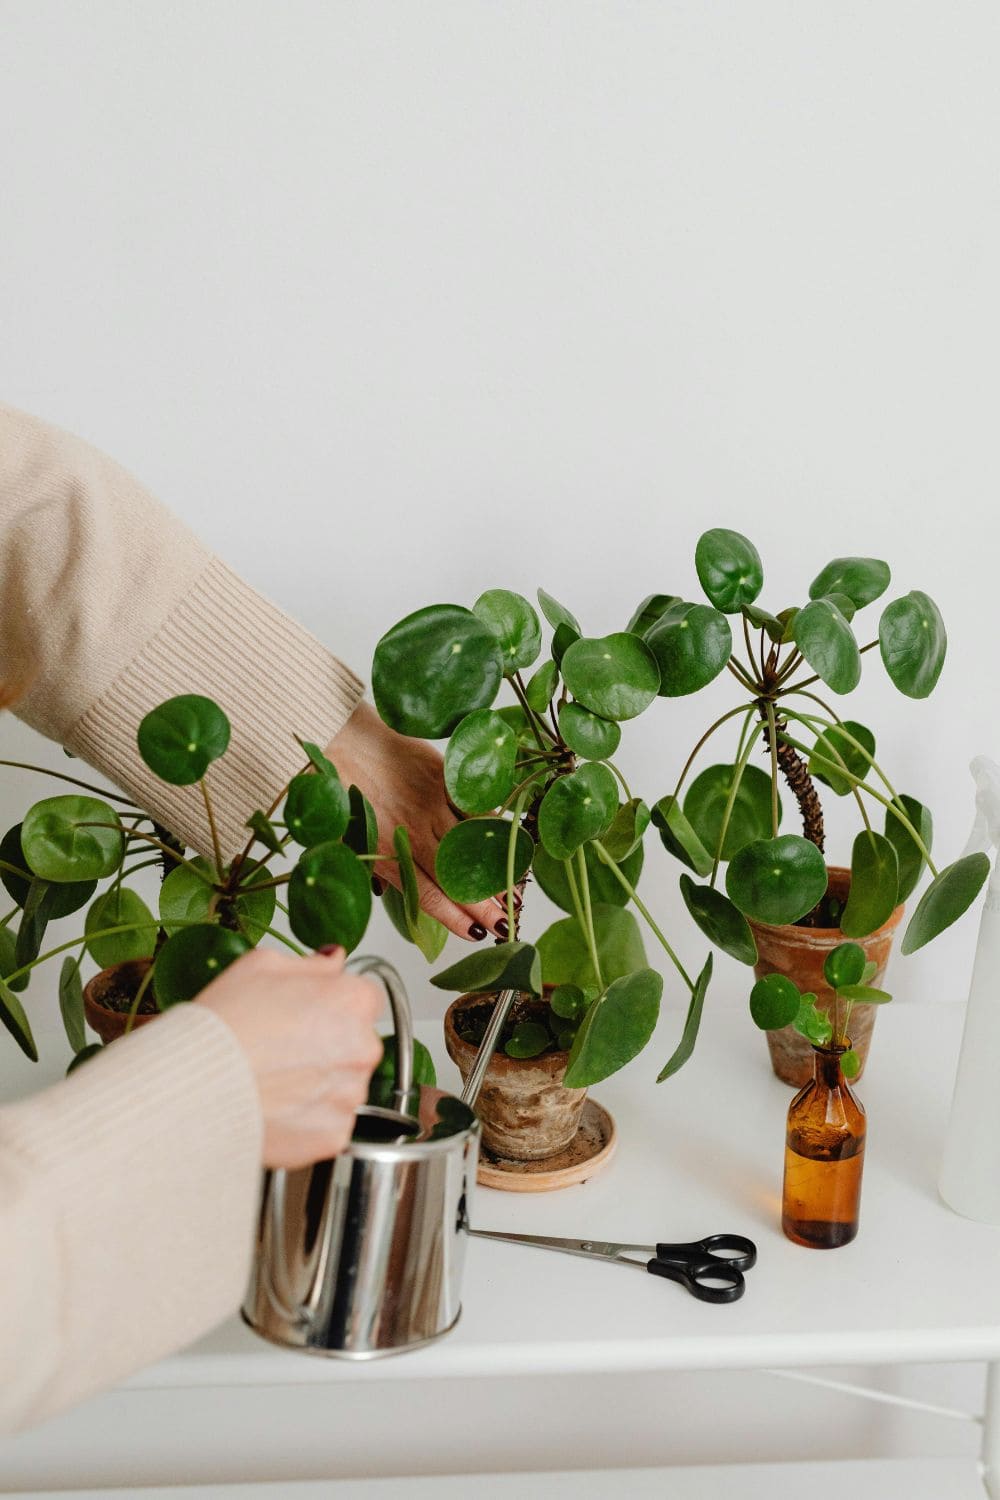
(970, 1171)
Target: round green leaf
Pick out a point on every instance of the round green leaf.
(729, 569)
(750, 818)
(812, 1023)
(913, 642)
(568, 1002)
(762, 619)
(361, 833)
(614, 675)
(833, 753)
(721, 922)
(317, 807)
(850, 1064)
(586, 733)
(844, 604)
(424, 932)
(58, 846)
(479, 762)
(63, 899)
(528, 1039)
(577, 808)
(950, 894)
(119, 907)
(180, 739)
(557, 614)
(777, 880)
(508, 966)
(191, 959)
(551, 876)
(911, 860)
(628, 827)
(433, 668)
(774, 1002)
(565, 953)
(515, 625)
(844, 965)
(828, 645)
(874, 893)
(471, 862)
(186, 897)
(860, 579)
(691, 645)
(514, 715)
(615, 1029)
(329, 897)
(564, 637)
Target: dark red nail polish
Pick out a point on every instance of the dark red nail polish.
(477, 931)
(377, 886)
(501, 929)
(329, 949)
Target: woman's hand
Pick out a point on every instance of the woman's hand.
(403, 779)
(307, 1030)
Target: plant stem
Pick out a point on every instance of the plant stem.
(808, 681)
(91, 937)
(574, 891)
(13, 870)
(529, 712)
(845, 733)
(581, 864)
(616, 871)
(279, 880)
(134, 1007)
(12, 913)
(210, 814)
(147, 838)
(773, 734)
(511, 855)
(22, 765)
(703, 741)
(743, 753)
(742, 677)
(624, 784)
(273, 932)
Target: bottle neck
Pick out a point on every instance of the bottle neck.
(827, 1065)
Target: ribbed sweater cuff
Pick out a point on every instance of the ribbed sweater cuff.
(273, 679)
(148, 1157)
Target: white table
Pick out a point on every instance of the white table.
(699, 1154)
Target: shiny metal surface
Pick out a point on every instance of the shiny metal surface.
(362, 1256)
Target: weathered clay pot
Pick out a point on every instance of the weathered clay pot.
(526, 1113)
(799, 953)
(107, 1022)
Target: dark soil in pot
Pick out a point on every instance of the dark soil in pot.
(799, 953)
(110, 995)
(526, 1113)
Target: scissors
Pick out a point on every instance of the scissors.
(710, 1269)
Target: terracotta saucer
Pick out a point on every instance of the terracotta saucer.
(588, 1152)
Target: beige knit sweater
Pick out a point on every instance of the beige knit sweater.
(127, 1193)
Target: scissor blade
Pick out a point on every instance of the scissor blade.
(591, 1249)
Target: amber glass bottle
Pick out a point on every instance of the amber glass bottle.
(824, 1157)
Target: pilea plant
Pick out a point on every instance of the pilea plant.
(540, 792)
(210, 912)
(776, 1002)
(730, 813)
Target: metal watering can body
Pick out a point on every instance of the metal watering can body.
(362, 1255)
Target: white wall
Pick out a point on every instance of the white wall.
(396, 302)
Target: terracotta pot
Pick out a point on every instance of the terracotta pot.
(799, 953)
(107, 1022)
(526, 1113)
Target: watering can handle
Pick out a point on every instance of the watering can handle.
(402, 1021)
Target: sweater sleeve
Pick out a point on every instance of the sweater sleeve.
(127, 1196)
(110, 605)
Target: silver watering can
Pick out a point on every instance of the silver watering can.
(362, 1255)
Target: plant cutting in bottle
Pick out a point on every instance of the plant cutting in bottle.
(539, 791)
(210, 912)
(776, 1001)
(780, 666)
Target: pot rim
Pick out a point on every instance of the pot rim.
(833, 935)
(91, 998)
(552, 1062)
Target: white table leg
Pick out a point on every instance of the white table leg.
(990, 1455)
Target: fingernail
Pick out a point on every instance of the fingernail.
(518, 900)
(501, 929)
(377, 886)
(477, 931)
(330, 950)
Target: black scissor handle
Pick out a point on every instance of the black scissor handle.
(708, 1278)
(732, 1250)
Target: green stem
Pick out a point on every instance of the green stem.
(273, 932)
(529, 712)
(12, 913)
(626, 884)
(808, 681)
(588, 912)
(147, 838)
(704, 741)
(91, 937)
(210, 814)
(743, 753)
(13, 870)
(271, 885)
(773, 737)
(624, 784)
(864, 787)
(742, 676)
(515, 827)
(88, 786)
(574, 891)
(134, 1007)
